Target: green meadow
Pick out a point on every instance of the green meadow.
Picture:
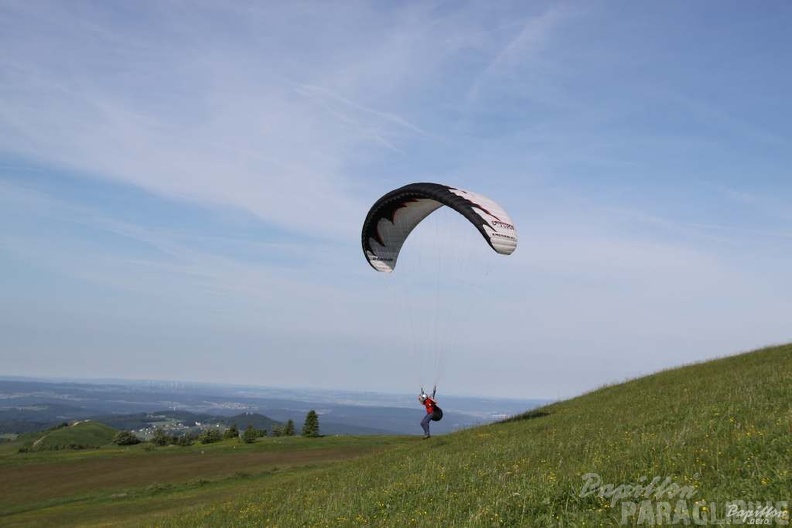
(132, 485)
(81, 435)
(709, 434)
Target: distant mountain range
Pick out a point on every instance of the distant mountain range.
(33, 405)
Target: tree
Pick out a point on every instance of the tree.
(289, 431)
(160, 437)
(125, 438)
(250, 435)
(231, 432)
(311, 427)
(210, 436)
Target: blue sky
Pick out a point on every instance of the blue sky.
(182, 187)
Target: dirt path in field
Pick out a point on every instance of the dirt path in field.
(39, 482)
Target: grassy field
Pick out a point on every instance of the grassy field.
(720, 431)
(127, 485)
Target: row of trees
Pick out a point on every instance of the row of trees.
(310, 429)
(208, 436)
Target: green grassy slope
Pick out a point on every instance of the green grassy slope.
(721, 429)
(128, 485)
(81, 435)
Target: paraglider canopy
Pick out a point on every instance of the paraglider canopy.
(428, 300)
(393, 217)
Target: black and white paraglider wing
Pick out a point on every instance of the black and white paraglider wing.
(393, 217)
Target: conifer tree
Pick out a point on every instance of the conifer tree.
(250, 435)
(311, 427)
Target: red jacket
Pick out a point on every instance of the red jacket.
(430, 405)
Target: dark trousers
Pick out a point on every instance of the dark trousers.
(425, 422)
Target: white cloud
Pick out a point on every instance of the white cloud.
(181, 112)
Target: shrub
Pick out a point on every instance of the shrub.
(231, 432)
(210, 436)
(160, 438)
(125, 438)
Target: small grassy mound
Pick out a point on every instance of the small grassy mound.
(81, 435)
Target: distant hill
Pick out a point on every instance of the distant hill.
(258, 421)
(81, 435)
(37, 417)
(144, 420)
(129, 422)
(332, 428)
